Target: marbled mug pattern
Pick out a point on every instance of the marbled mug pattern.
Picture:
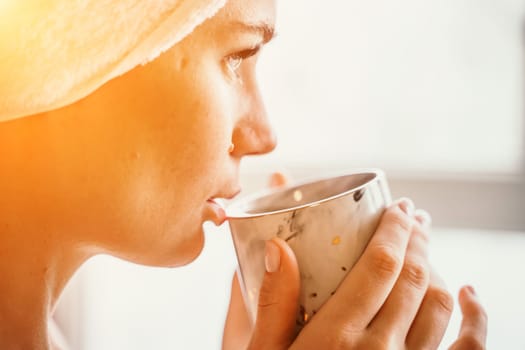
(327, 223)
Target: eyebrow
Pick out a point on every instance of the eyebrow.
(262, 28)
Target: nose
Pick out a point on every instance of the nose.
(253, 134)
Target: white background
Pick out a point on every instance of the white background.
(411, 85)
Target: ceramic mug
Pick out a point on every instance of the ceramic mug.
(327, 223)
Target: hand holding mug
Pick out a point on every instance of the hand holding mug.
(390, 299)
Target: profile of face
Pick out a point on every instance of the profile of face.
(130, 169)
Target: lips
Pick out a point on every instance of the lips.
(215, 207)
(214, 212)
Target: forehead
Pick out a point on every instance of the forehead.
(247, 11)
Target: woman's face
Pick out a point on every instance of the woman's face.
(135, 164)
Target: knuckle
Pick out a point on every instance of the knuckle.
(483, 315)
(442, 298)
(397, 221)
(340, 343)
(479, 313)
(376, 343)
(423, 234)
(470, 342)
(416, 274)
(267, 297)
(385, 260)
(342, 340)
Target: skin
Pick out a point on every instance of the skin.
(129, 171)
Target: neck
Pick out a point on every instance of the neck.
(37, 254)
(25, 301)
(32, 277)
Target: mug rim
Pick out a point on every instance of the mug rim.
(234, 213)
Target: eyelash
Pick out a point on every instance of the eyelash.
(233, 62)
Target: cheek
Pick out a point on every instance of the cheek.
(200, 128)
(161, 154)
(179, 169)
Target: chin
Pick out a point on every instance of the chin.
(188, 251)
(172, 254)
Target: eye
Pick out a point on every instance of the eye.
(234, 61)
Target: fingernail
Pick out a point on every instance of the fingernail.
(407, 206)
(423, 217)
(277, 179)
(471, 290)
(272, 258)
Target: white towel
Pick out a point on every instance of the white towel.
(55, 52)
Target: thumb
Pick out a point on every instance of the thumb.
(278, 299)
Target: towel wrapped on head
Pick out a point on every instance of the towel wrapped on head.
(55, 52)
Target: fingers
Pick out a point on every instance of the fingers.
(433, 316)
(473, 331)
(369, 282)
(423, 218)
(393, 321)
(278, 299)
(278, 179)
(237, 328)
